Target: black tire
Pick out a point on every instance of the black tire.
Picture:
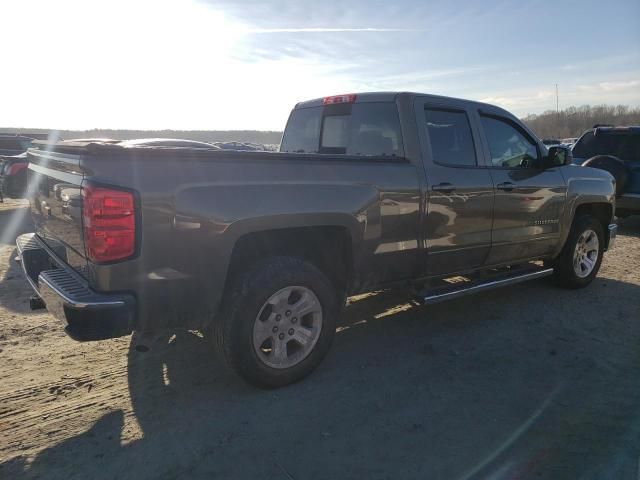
(246, 297)
(564, 271)
(614, 166)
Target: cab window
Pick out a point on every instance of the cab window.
(510, 147)
(450, 137)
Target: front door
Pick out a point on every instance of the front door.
(529, 199)
(457, 226)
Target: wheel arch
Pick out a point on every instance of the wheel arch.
(603, 211)
(328, 247)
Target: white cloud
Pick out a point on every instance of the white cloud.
(327, 30)
(521, 99)
(612, 87)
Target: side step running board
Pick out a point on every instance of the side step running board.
(441, 294)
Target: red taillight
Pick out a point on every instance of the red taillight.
(15, 168)
(109, 223)
(348, 98)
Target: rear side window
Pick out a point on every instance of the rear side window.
(367, 129)
(625, 146)
(450, 137)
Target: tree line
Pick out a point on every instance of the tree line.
(573, 121)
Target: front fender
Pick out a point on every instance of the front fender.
(584, 186)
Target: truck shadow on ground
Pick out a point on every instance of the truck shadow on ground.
(484, 386)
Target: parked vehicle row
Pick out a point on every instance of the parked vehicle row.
(14, 161)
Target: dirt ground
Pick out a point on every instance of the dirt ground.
(530, 381)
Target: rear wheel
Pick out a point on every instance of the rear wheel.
(278, 322)
(580, 260)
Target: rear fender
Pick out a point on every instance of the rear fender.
(219, 215)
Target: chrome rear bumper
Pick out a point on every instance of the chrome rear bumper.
(89, 315)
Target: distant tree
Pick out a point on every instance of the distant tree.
(573, 121)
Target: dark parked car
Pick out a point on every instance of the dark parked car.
(616, 150)
(13, 169)
(239, 146)
(261, 249)
(15, 144)
(13, 164)
(13, 175)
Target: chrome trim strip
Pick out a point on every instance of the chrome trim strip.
(429, 300)
(65, 157)
(67, 177)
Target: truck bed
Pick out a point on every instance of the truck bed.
(193, 206)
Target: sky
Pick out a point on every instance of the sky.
(222, 65)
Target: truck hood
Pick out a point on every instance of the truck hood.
(577, 171)
(587, 182)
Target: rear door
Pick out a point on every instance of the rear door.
(457, 226)
(529, 199)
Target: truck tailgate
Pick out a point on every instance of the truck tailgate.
(56, 204)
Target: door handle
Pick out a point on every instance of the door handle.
(506, 186)
(444, 187)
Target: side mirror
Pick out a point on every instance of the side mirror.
(558, 156)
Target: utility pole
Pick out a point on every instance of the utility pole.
(557, 104)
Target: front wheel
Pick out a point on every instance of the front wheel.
(278, 322)
(581, 257)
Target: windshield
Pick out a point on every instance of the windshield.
(625, 146)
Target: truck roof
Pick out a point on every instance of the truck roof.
(392, 96)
